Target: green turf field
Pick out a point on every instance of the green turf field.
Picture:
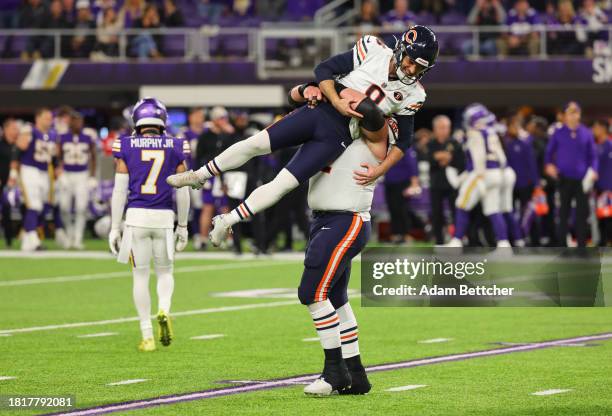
(263, 339)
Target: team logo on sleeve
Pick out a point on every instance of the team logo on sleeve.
(398, 96)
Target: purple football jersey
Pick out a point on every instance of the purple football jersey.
(150, 160)
(40, 150)
(75, 151)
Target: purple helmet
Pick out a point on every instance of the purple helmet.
(149, 112)
(477, 116)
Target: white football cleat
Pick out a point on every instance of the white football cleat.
(319, 387)
(454, 242)
(188, 178)
(221, 229)
(61, 238)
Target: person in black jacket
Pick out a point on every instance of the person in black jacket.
(8, 176)
(443, 151)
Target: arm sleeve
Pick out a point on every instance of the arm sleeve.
(592, 154)
(120, 191)
(336, 65)
(182, 206)
(405, 136)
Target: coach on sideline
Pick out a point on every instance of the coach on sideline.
(572, 159)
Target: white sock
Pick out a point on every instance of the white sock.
(263, 197)
(348, 331)
(327, 323)
(79, 227)
(165, 287)
(142, 300)
(236, 155)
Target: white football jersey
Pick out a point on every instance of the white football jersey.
(370, 75)
(334, 189)
(484, 150)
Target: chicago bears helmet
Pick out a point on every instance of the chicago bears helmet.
(420, 44)
(149, 111)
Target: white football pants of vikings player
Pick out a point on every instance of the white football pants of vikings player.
(34, 184)
(140, 245)
(74, 186)
(485, 189)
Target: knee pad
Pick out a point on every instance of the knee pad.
(373, 118)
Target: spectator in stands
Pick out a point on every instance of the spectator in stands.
(131, 12)
(269, 9)
(603, 186)
(368, 19)
(33, 15)
(437, 7)
(400, 17)
(443, 151)
(400, 181)
(521, 40)
(595, 19)
(108, 34)
(567, 42)
(571, 158)
(69, 11)
(300, 10)
(485, 13)
(83, 41)
(172, 15)
(209, 11)
(145, 44)
(57, 20)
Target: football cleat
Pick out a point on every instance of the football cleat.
(335, 379)
(188, 178)
(61, 238)
(221, 229)
(359, 382)
(147, 345)
(165, 328)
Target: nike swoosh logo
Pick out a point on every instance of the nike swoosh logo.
(343, 145)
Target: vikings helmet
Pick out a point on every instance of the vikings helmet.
(149, 112)
(420, 44)
(477, 116)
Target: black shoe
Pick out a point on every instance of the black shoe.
(360, 383)
(334, 379)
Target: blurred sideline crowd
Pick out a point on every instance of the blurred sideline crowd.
(585, 19)
(553, 203)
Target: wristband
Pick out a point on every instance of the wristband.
(303, 87)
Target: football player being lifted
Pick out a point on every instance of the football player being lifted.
(361, 87)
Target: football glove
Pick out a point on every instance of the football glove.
(181, 237)
(114, 240)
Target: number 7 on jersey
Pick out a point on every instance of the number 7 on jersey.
(157, 156)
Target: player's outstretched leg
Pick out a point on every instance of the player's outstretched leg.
(233, 157)
(260, 199)
(335, 376)
(350, 351)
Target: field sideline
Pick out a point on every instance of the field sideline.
(68, 328)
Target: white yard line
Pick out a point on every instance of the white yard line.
(135, 318)
(2, 378)
(435, 340)
(221, 255)
(114, 275)
(310, 339)
(550, 392)
(99, 334)
(124, 382)
(211, 336)
(408, 387)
